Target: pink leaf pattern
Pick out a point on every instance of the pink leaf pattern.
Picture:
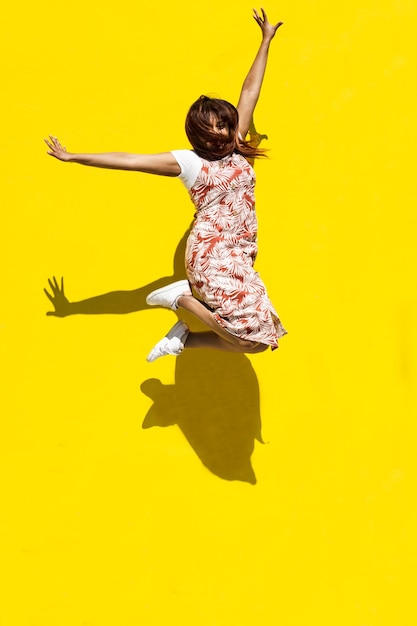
(222, 248)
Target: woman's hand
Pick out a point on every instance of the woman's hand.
(268, 30)
(252, 84)
(56, 150)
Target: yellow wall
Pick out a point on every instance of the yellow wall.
(130, 501)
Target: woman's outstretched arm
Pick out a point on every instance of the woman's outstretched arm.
(163, 164)
(253, 82)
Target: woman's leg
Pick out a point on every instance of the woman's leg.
(218, 338)
(209, 339)
(178, 295)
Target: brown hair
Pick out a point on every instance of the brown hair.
(198, 126)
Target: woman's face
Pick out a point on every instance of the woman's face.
(218, 126)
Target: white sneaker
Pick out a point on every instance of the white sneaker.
(167, 296)
(172, 343)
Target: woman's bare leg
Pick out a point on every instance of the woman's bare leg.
(209, 339)
(218, 338)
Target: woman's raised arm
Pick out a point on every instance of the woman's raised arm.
(163, 164)
(253, 82)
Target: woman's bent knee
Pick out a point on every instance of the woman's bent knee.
(259, 347)
(252, 347)
(245, 344)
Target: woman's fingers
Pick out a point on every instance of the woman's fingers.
(54, 142)
(55, 147)
(51, 145)
(258, 18)
(263, 21)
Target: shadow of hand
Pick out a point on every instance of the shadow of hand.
(58, 298)
(255, 138)
(114, 302)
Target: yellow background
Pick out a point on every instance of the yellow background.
(115, 511)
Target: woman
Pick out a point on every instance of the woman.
(221, 249)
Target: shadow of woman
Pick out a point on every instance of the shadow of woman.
(215, 398)
(215, 403)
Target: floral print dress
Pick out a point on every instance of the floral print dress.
(222, 247)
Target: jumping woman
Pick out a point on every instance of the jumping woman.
(223, 290)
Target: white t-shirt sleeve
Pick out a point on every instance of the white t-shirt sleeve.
(190, 165)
